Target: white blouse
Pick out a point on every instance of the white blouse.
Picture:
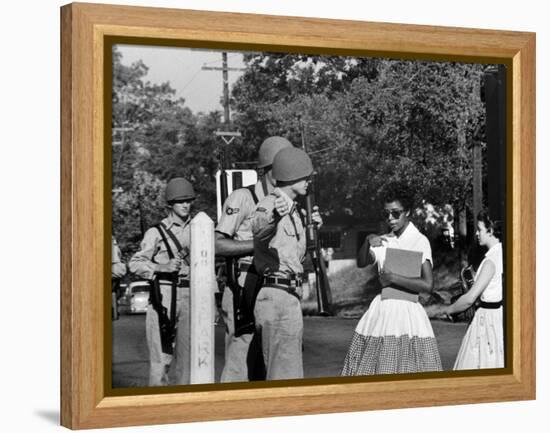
(493, 292)
(410, 239)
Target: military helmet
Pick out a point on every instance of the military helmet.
(269, 148)
(291, 164)
(179, 188)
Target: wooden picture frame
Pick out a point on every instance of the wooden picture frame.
(85, 225)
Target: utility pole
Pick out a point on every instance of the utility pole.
(477, 181)
(227, 135)
(225, 75)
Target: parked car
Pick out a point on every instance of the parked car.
(136, 298)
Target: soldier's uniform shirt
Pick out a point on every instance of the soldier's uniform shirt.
(279, 243)
(153, 250)
(166, 369)
(237, 212)
(279, 249)
(235, 223)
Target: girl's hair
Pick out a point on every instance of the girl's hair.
(494, 226)
(398, 191)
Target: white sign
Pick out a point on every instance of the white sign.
(235, 179)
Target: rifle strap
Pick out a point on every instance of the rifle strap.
(174, 238)
(264, 186)
(293, 222)
(301, 214)
(161, 227)
(252, 190)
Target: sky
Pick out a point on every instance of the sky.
(202, 90)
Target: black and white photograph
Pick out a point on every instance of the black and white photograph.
(356, 207)
(122, 115)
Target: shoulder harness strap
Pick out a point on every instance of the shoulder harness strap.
(173, 236)
(161, 229)
(252, 190)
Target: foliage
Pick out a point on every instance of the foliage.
(155, 137)
(137, 208)
(365, 122)
(369, 122)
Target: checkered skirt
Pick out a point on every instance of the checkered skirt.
(393, 336)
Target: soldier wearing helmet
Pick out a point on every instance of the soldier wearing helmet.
(164, 253)
(234, 239)
(279, 250)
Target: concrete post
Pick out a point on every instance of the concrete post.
(202, 281)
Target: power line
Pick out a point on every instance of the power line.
(191, 80)
(200, 69)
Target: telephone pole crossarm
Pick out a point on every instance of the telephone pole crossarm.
(219, 68)
(227, 136)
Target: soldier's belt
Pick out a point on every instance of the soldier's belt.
(286, 284)
(182, 282)
(290, 282)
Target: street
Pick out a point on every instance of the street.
(326, 342)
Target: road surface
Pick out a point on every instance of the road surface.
(326, 342)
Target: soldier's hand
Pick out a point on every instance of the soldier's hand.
(173, 265)
(281, 204)
(316, 217)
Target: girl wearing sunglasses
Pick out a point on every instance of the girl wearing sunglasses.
(395, 335)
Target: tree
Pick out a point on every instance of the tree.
(369, 121)
(281, 79)
(137, 208)
(155, 137)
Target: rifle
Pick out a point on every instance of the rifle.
(167, 324)
(322, 285)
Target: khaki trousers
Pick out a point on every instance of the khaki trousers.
(165, 369)
(279, 317)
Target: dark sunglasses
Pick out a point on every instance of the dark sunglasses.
(394, 213)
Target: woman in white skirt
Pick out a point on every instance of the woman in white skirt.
(395, 334)
(483, 343)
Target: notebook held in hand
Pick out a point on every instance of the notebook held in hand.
(406, 263)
